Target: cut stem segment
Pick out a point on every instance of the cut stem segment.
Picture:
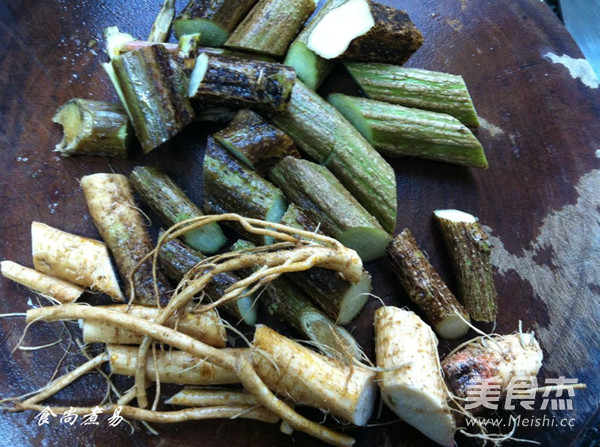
(398, 131)
(214, 20)
(310, 68)
(326, 201)
(470, 252)
(425, 287)
(289, 303)
(230, 187)
(324, 134)
(363, 30)
(93, 128)
(233, 81)
(254, 142)
(41, 283)
(271, 26)
(153, 87)
(413, 87)
(171, 204)
(339, 298)
(162, 23)
(177, 260)
(111, 205)
(413, 386)
(76, 259)
(204, 326)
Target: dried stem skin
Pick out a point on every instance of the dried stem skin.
(230, 187)
(121, 225)
(232, 81)
(41, 283)
(398, 131)
(326, 201)
(202, 397)
(173, 366)
(311, 68)
(393, 38)
(325, 135)
(153, 86)
(213, 19)
(255, 142)
(414, 389)
(470, 252)
(425, 287)
(413, 87)
(204, 326)
(171, 204)
(76, 259)
(492, 360)
(271, 26)
(177, 259)
(93, 128)
(290, 304)
(162, 23)
(310, 378)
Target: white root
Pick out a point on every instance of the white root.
(203, 397)
(310, 378)
(203, 326)
(415, 392)
(164, 417)
(76, 259)
(65, 380)
(307, 250)
(173, 366)
(493, 360)
(41, 283)
(251, 381)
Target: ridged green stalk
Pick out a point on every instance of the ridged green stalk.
(230, 187)
(413, 87)
(324, 134)
(398, 131)
(327, 202)
(171, 204)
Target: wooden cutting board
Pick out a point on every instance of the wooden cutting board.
(540, 111)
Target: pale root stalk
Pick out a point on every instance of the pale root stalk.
(202, 397)
(412, 385)
(204, 326)
(492, 360)
(308, 250)
(65, 380)
(307, 377)
(173, 366)
(251, 381)
(41, 283)
(76, 259)
(164, 417)
(122, 227)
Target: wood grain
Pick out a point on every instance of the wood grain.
(539, 198)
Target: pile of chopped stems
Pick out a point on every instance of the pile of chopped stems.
(297, 250)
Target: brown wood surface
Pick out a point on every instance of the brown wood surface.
(540, 198)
